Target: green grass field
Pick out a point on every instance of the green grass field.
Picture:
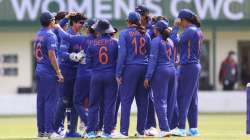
(212, 127)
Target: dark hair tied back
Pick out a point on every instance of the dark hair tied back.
(196, 21)
(165, 33)
(139, 27)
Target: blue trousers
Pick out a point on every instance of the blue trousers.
(151, 122)
(66, 91)
(164, 87)
(82, 85)
(46, 100)
(187, 96)
(132, 87)
(103, 87)
(118, 102)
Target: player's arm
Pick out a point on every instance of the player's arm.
(89, 57)
(122, 52)
(65, 20)
(52, 57)
(154, 51)
(76, 39)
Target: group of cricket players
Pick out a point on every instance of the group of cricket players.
(87, 70)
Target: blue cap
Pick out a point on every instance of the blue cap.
(134, 17)
(46, 17)
(186, 14)
(161, 25)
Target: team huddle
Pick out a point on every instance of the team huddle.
(92, 75)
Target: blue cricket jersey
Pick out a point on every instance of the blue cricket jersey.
(68, 47)
(133, 49)
(73, 40)
(102, 53)
(175, 38)
(161, 53)
(150, 29)
(45, 40)
(62, 23)
(83, 67)
(190, 45)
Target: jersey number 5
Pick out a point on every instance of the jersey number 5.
(103, 56)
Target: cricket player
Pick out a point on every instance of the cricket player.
(130, 73)
(68, 65)
(161, 74)
(146, 21)
(101, 112)
(102, 56)
(48, 74)
(82, 83)
(189, 72)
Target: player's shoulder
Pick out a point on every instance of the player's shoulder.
(114, 40)
(123, 31)
(156, 40)
(170, 42)
(192, 29)
(50, 34)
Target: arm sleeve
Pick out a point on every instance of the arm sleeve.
(122, 52)
(89, 57)
(76, 39)
(152, 59)
(63, 22)
(64, 50)
(51, 42)
(148, 38)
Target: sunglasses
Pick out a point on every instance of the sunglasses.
(81, 22)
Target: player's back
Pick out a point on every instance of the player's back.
(102, 53)
(136, 44)
(165, 50)
(45, 40)
(190, 45)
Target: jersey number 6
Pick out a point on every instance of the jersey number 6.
(103, 56)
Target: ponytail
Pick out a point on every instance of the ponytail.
(165, 33)
(196, 21)
(139, 27)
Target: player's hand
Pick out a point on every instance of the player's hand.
(119, 80)
(71, 14)
(60, 77)
(177, 22)
(73, 56)
(82, 57)
(146, 83)
(56, 26)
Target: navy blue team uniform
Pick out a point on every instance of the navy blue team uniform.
(102, 56)
(82, 83)
(46, 77)
(66, 89)
(189, 72)
(131, 68)
(161, 73)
